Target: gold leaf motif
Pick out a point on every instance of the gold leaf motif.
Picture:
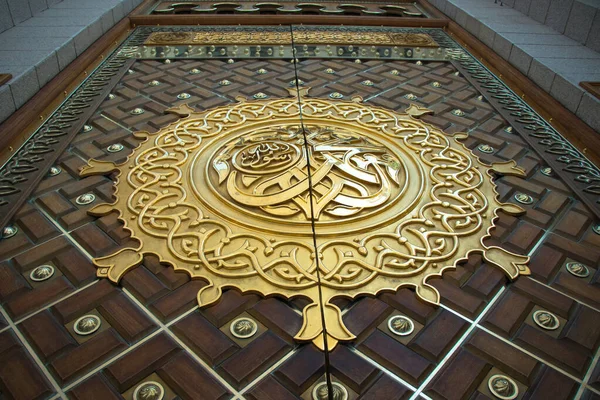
(182, 110)
(508, 168)
(416, 111)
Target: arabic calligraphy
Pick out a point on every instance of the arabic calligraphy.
(269, 171)
(262, 157)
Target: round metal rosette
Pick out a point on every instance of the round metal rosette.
(503, 387)
(400, 325)
(578, 269)
(547, 171)
(54, 170)
(485, 148)
(85, 199)
(321, 392)
(243, 328)
(227, 198)
(114, 148)
(546, 320)
(42, 273)
(149, 390)
(87, 325)
(523, 198)
(9, 231)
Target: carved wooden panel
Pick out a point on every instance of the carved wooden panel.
(152, 330)
(20, 377)
(482, 354)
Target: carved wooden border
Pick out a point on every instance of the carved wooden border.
(26, 168)
(579, 173)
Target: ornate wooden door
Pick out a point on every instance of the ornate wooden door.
(282, 212)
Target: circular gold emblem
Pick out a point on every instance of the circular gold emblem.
(259, 177)
(229, 196)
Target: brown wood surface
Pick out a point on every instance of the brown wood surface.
(592, 87)
(19, 376)
(4, 78)
(163, 294)
(228, 365)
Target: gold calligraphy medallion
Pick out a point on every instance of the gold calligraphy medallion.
(225, 195)
(258, 176)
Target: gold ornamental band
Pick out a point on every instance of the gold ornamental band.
(282, 38)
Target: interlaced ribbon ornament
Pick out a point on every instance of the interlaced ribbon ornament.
(223, 194)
